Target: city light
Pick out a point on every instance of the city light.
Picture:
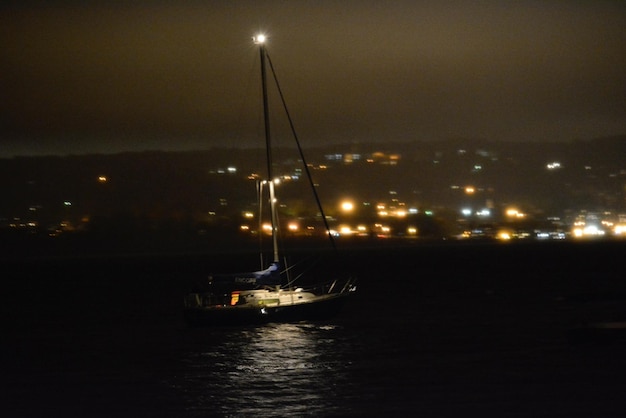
(347, 206)
(515, 213)
(267, 228)
(345, 230)
(504, 235)
(619, 230)
(555, 165)
(588, 231)
(386, 208)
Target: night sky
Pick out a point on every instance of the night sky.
(110, 76)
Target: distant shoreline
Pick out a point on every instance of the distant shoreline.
(24, 251)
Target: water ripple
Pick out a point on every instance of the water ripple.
(286, 369)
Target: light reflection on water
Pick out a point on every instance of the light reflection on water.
(277, 369)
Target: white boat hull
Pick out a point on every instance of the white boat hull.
(265, 307)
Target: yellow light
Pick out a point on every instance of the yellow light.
(514, 213)
(469, 190)
(234, 298)
(293, 226)
(345, 230)
(347, 206)
(504, 235)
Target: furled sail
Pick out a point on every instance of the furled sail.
(268, 277)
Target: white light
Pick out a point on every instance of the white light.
(259, 39)
(555, 165)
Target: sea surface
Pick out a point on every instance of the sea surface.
(444, 330)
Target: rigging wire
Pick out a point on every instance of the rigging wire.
(306, 166)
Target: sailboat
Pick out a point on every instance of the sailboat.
(271, 293)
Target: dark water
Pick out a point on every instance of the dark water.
(434, 331)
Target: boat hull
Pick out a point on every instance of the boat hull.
(324, 307)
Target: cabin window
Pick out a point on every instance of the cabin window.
(234, 298)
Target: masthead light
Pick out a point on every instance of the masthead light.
(259, 39)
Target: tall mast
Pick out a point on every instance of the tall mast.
(260, 40)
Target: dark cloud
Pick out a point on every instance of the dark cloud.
(156, 74)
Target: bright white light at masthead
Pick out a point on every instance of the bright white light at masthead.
(259, 39)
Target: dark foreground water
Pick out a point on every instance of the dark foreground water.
(434, 331)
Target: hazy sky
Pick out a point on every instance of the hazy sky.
(108, 76)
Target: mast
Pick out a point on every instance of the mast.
(260, 40)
